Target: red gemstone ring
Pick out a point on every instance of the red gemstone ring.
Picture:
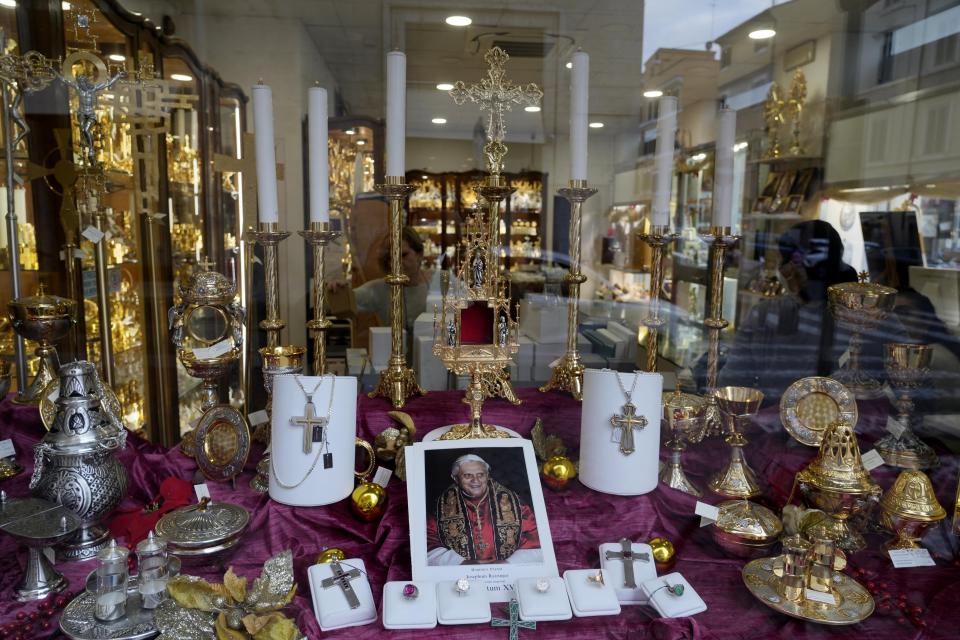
(410, 591)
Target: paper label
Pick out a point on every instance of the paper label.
(904, 558)
(819, 596)
(215, 350)
(6, 449)
(844, 358)
(258, 417)
(79, 253)
(92, 234)
(894, 427)
(202, 491)
(872, 460)
(707, 512)
(382, 476)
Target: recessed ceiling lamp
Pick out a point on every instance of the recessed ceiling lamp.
(652, 93)
(181, 77)
(350, 132)
(8, 3)
(117, 57)
(569, 65)
(459, 21)
(445, 86)
(65, 6)
(361, 141)
(532, 108)
(596, 125)
(762, 33)
(439, 121)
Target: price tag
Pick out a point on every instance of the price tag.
(819, 596)
(6, 449)
(707, 512)
(202, 491)
(872, 460)
(79, 253)
(844, 359)
(905, 558)
(382, 476)
(214, 351)
(92, 234)
(894, 427)
(258, 417)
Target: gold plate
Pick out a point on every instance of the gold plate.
(854, 602)
(222, 443)
(48, 408)
(810, 405)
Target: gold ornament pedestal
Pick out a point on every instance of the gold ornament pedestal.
(568, 374)
(398, 381)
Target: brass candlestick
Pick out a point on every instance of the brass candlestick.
(103, 298)
(319, 235)
(568, 374)
(657, 238)
(268, 235)
(720, 239)
(398, 381)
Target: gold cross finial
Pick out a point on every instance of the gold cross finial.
(496, 95)
(206, 264)
(863, 276)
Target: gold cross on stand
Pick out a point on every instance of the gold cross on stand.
(312, 424)
(627, 423)
(496, 95)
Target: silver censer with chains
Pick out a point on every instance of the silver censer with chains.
(76, 462)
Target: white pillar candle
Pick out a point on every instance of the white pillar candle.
(723, 168)
(268, 210)
(396, 112)
(579, 110)
(319, 163)
(663, 160)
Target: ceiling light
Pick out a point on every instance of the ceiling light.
(65, 6)
(596, 125)
(182, 77)
(445, 86)
(117, 57)
(439, 121)
(740, 146)
(532, 108)
(350, 132)
(8, 3)
(569, 65)
(361, 141)
(652, 93)
(459, 21)
(762, 33)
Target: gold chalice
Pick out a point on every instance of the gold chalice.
(837, 483)
(859, 307)
(909, 508)
(684, 413)
(737, 405)
(907, 367)
(45, 319)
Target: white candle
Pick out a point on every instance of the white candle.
(266, 154)
(396, 112)
(579, 110)
(663, 160)
(319, 168)
(723, 168)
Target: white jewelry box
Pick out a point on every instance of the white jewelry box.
(400, 612)
(553, 604)
(669, 605)
(589, 598)
(613, 571)
(454, 607)
(330, 604)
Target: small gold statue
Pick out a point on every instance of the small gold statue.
(798, 95)
(773, 117)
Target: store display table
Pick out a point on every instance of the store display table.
(580, 520)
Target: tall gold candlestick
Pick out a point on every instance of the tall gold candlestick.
(319, 235)
(103, 299)
(658, 239)
(721, 239)
(268, 235)
(568, 374)
(398, 381)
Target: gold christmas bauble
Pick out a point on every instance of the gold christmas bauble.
(663, 550)
(558, 471)
(368, 501)
(330, 554)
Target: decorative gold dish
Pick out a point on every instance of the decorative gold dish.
(810, 405)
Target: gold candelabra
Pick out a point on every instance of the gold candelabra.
(658, 238)
(398, 381)
(568, 374)
(319, 235)
(268, 235)
(721, 239)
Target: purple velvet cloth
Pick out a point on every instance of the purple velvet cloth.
(580, 520)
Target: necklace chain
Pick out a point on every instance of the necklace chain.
(316, 458)
(627, 396)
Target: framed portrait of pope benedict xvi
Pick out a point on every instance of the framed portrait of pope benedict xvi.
(476, 511)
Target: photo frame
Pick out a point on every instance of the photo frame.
(448, 539)
(785, 186)
(762, 204)
(793, 204)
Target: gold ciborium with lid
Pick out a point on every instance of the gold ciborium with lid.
(45, 319)
(907, 368)
(838, 483)
(909, 508)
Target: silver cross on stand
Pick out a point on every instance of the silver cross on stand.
(312, 424)
(515, 623)
(629, 557)
(627, 423)
(342, 579)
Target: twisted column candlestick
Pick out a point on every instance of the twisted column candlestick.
(658, 239)
(319, 235)
(721, 239)
(268, 235)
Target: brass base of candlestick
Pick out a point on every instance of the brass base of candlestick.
(567, 376)
(398, 383)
